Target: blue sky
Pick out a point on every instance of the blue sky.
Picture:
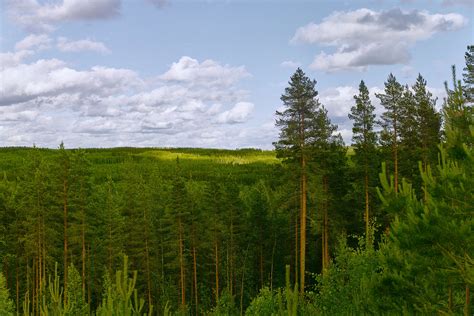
(104, 73)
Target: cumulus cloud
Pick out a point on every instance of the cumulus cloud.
(47, 101)
(365, 37)
(66, 45)
(188, 69)
(53, 78)
(38, 17)
(34, 42)
(10, 59)
(238, 114)
(290, 64)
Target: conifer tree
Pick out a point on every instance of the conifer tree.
(64, 166)
(297, 129)
(391, 101)
(468, 74)
(365, 141)
(458, 116)
(428, 122)
(326, 149)
(80, 202)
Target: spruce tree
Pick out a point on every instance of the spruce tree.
(365, 142)
(297, 130)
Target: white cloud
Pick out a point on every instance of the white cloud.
(66, 45)
(339, 100)
(52, 78)
(290, 64)
(188, 69)
(238, 114)
(35, 16)
(48, 101)
(365, 37)
(33, 41)
(10, 59)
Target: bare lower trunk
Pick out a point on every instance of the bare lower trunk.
(366, 214)
(83, 256)
(148, 277)
(325, 239)
(303, 226)
(195, 279)
(467, 304)
(217, 270)
(181, 264)
(65, 211)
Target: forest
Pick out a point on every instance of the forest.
(382, 226)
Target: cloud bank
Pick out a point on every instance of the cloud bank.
(48, 101)
(365, 37)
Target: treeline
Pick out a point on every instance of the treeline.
(382, 227)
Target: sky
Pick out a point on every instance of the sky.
(170, 73)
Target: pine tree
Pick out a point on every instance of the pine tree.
(80, 202)
(325, 149)
(365, 142)
(428, 122)
(297, 129)
(391, 100)
(468, 75)
(64, 178)
(458, 116)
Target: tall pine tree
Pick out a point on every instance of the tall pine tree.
(391, 101)
(297, 129)
(365, 142)
(468, 74)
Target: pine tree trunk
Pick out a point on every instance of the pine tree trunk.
(450, 298)
(261, 264)
(17, 277)
(231, 279)
(467, 304)
(181, 264)
(195, 279)
(296, 248)
(273, 257)
(303, 225)
(83, 255)
(148, 278)
(217, 269)
(395, 154)
(366, 215)
(65, 211)
(325, 251)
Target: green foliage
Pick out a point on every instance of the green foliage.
(75, 297)
(6, 304)
(121, 297)
(54, 304)
(468, 74)
(226, 305)
(281, 302)
(348, 286)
